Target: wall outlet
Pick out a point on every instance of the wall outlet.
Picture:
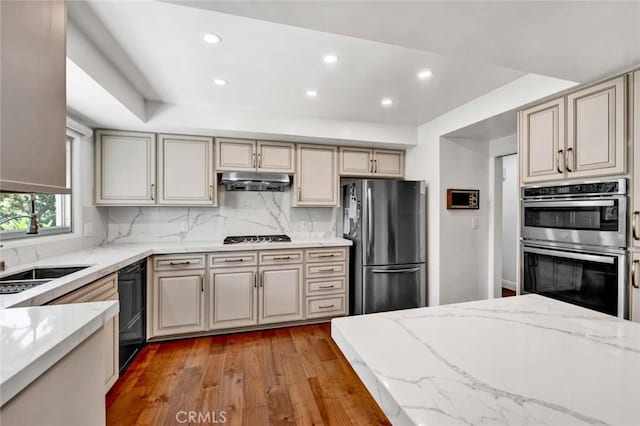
(88, 229)
(474, 223)
(184, 226)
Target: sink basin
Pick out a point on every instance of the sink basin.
(16, 286)
(42, 273)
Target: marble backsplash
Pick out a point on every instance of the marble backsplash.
(239, 213)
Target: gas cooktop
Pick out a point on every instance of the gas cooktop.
(257, 239)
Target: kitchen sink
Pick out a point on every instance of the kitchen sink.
(21, 281)
(43, 273)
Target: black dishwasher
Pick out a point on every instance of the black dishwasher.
(132, 283)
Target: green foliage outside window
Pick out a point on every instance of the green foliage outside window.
(12, 205)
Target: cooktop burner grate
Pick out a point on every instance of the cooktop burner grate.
(257, 239)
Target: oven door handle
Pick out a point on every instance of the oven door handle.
(570, 255)
(565, 203)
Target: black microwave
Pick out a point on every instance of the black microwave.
(463, 199)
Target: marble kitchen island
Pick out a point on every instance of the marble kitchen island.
(512, 361)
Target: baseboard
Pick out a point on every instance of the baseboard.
(509, 285)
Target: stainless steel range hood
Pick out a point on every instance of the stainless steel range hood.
(252, 181)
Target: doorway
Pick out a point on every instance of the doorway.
(509, 224)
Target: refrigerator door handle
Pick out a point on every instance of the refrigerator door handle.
(395, 271)
(369, 222)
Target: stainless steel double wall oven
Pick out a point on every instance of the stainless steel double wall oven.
(574, 243)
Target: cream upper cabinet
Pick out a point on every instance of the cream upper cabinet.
(178, 302)
(125, 168)
(596, 130)
(233, 295)
(276, 157)
(371, 162)
(33, 102)
(388, 163)
(356, 161)
(541, 135)
(238, 155)
(316, 178)
(186, 174)
(280, 293)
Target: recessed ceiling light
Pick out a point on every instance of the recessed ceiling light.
(211, 38)
(219, 82)
(424, 74)
(330, 59)
(312, 93)
(386, 102)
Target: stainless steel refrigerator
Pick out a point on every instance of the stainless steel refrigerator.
(386, 220)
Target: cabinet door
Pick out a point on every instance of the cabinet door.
(125, 168)
(185, 170)
(280, 294)
(635, 221)
(356, 162)
(634, 292)
(596, 130)
(276, 157)
(111, 351)
(316, 177)
(178, 302)
(233, 297)
(388, 163)
(236, 155)
(542, 142)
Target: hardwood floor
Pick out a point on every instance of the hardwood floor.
(507, 293)
(284, 377)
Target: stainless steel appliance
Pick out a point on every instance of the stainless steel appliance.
(590, 213)
(584, 277)
(132, 283)
(574, 241)
(386, 220)
(257, 239)
(254, 181)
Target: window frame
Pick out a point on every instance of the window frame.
(64, 202)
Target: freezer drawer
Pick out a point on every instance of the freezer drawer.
(390, 288)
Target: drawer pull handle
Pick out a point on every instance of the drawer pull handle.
(326, 270)
(326, 286)
(327, 306)
(233, 260)
(186, 262)
(327, 255)
(282, 258)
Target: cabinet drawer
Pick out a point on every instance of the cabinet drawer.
(172, 263)
(326, 255)
(325, 306)
(221, 260)
(325, 270)
(98, 291)
(323, 286)
(280, 257)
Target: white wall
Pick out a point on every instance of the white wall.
(509, 220)
(31, 249)
(423, 161)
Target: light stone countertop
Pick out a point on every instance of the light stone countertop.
(33, 339)
(107, 259)
(512, 361)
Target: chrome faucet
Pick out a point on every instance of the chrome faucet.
(33, 217)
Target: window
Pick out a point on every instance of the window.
(53, 210)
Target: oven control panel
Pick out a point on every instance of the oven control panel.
(611, 187)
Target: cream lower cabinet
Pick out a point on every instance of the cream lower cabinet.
(178, 302)
(186, 174)
(634, 290)
(280, 293)
(233, 297)
(316, 180)
(98, 291)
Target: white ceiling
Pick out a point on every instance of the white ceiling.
(572, 40)
(495, 127)
(269, 66)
